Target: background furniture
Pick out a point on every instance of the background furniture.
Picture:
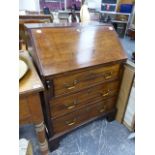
(108, 5)
(35, 17)
(30, 18)
(131, 27)
(118, 19)
(125, 90)
(30, 110)
(81, 76)
(131, 32)
(129, 116)
(118, 13)
(112, 9)
(60, 4)
(64, 15)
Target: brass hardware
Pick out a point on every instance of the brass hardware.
(102, 110)
(108, 75)
(70, 123)
(106, 93)
(68, 86)
(71, 87)
(71, 106)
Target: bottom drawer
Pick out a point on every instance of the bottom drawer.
(82, 115)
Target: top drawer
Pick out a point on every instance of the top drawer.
(76, 81)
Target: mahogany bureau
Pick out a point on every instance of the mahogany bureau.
(81, 67)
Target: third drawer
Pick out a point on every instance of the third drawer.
(74, 119)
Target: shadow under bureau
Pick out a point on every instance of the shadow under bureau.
(81, 67)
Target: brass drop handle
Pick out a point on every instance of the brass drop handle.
(108, 75)
(102, 110)
(70, 123)
(106, 93)
(69, 87)
(71, 106)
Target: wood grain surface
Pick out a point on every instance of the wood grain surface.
(31, 82)
(80, 46)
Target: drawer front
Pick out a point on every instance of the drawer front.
(82, 115)
(101, 107)
(70, 103)
(76, 81)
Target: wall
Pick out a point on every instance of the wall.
(94, 4)
(32, 5)
(51, 5)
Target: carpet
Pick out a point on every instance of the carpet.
(97, 138)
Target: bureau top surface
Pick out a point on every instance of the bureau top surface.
(59, 49)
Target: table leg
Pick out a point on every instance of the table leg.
(40, 130)
(37, 117)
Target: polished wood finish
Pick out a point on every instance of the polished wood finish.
(31, 81)
(30, 18)
(81, 67)
(30, 110)
(71, 120)
(36, 16)
(70, 103)
(79, 47)
(81, 80)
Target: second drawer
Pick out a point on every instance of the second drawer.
(64, 105)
